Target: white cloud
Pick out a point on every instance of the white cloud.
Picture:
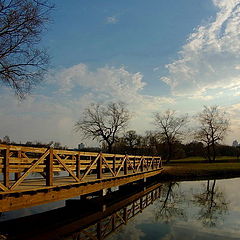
(112, 20)
(210, 58)
(51, 116)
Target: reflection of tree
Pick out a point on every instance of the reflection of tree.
(212, 203)
(169, 208)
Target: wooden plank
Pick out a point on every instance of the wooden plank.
(66, 168)
(108, 167)
(78, 166)
(6, 174)
(49, 168)
(89, 168)
(99, 167)
(3, 188)
(29, 170)
(122, 163)
(17, 174)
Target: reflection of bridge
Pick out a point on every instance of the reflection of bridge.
(92, 219)
(86, 173)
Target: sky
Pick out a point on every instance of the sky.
(153, 55)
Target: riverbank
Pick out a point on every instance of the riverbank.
(198, 171)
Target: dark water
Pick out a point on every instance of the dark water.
(194, 210)
(189, 210)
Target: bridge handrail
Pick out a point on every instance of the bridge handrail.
(23, 160)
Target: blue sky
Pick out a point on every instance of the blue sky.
(153, 55)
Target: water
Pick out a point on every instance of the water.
(189, 210)
(208, 209)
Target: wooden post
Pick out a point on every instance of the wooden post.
(99, 167)
(99, 230)
(141, 204)
(114, 164)
(113, 221)
(141, 167)
(6, 155)
(18, 174)
(126, 165)
(125, 215)
(78, 165)
(49, 168)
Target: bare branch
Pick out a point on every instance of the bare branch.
(103, 122)
(22, 63)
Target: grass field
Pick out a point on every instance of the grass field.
(202, 159)
(197, 168)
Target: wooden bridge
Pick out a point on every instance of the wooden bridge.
(33, 176)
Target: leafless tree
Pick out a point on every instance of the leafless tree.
(170, 128)
(22, 62)
(213, 127)
(104, 122)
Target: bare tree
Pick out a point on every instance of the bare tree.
(22, 63)
(104, 122)
(213, 127)
(170, 128)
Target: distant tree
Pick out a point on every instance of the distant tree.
(22, 63)
(6, 139)
(194, 148)
(131, 138)
(104, 122)
(170, 128)
(213, 127)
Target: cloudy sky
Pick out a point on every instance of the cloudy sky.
(153, 55)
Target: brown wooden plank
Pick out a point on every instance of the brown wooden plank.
(6, 172)
(66, 168)
(89, 168)
(29, 170)
(49, 168)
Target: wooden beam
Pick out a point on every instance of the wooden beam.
(6, 155)
(99, 167)
(29, 170)
(49, 168)
(78, 166)
(66, 168)
(105, 162)
(18, 174)
(93, 162)
(5, 189)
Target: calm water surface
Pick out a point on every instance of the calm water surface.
(193, 210)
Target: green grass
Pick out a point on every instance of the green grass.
(189, 171)
(202, 159)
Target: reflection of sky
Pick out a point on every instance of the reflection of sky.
(145, 226)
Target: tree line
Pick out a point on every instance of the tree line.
(108, 123)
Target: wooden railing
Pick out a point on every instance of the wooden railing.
(18, 163)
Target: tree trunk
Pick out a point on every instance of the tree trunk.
(214, 151)
(208, 152)
(110, 147)
(169, 152)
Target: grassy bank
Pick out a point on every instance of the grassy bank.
(192, 171)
